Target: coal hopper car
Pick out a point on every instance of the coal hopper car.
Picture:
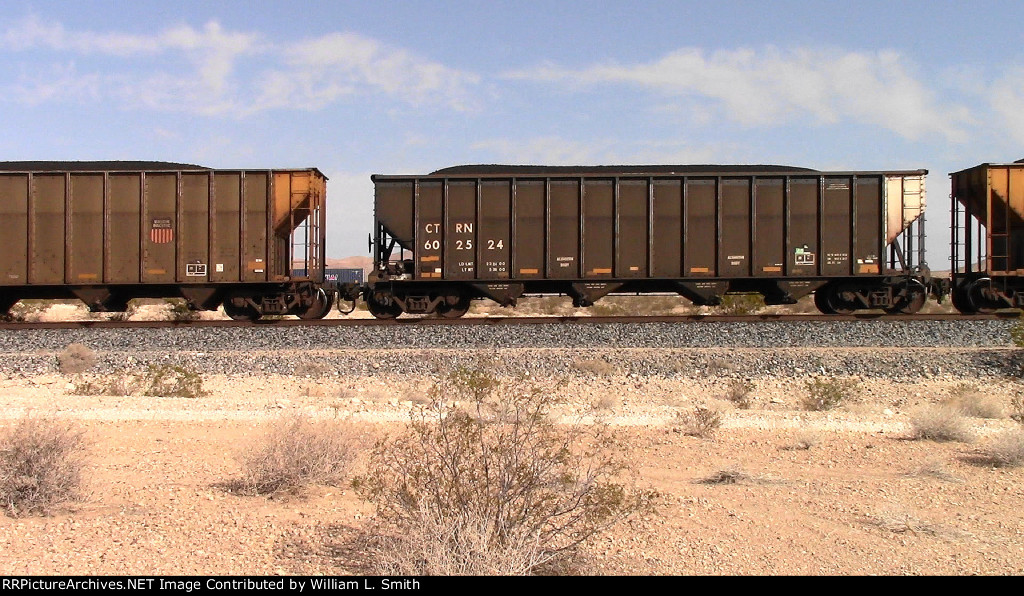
(987, 237)
(854, 239)
(108, 232)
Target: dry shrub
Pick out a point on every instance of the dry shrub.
(827, 393)
(170, 380)
(732, 475)
(119, 384)
(595, 366)
(900, 522)
(163, 380)
(804, 440)
(606, 403)
(701, 422)
(495, 488)
(940, 423)
(738, 393)
(297, 452)
(933, 468)
(1007, 449)
(75, 359)
(1017, 408)
(972, 402)
(740, 304)
(41, 462)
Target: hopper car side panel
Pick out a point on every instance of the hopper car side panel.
(441, 238)
(209, 236)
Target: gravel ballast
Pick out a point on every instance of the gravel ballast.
(897, 349)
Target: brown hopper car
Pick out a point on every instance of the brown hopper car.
(108, 232)
(987, 237)
(499, 232)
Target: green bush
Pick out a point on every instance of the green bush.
(740, 304)
(170, 380)
(827, 393)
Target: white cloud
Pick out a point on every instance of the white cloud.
(216, 71)
(770, 86)
(1007, 98)
(318, 72)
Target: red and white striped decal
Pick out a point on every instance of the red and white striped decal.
(161, 235)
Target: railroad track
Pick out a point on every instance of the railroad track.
(547, 320)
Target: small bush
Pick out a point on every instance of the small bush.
(606, 402)
(804, 440)
(41, 463)
(1007, 449)
(701, 422)
(899, 522)
(827, 393)
(732, 475)
(740, 304)
(595, 366)
(168, 380)
(178, 310)
(739, 394)
(1017, 408)
(606, 308)
(297, 452)
(940, 423)
(972, 402)
(934, 469)
(75, 358)
(119, 384)
(495, 489)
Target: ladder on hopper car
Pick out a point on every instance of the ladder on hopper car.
(962, 241)
(910, 254)
(914, 216)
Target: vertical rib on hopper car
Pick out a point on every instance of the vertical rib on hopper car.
(107, 232)
(500, 232)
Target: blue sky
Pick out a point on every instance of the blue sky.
(358, 88)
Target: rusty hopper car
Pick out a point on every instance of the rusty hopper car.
(987, 237)
(499, 232)
(108, 232)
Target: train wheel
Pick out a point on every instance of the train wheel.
(910, 304)
(245, 312)
(383, 306)
(958, 296)
(913, 300)
(454, 306)
(321, 306)
(838, 302)
(821, 301)
(975, 293)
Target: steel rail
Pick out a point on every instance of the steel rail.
(545, 320)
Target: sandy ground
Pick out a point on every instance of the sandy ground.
(862, 499)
